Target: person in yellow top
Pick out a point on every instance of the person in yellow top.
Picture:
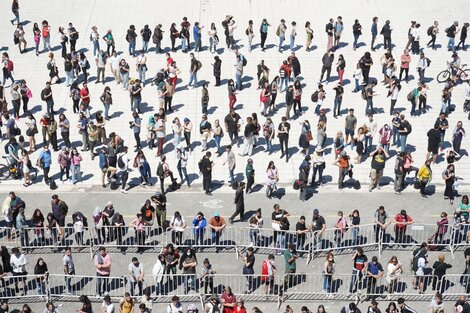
(127, 304)
(424, 176)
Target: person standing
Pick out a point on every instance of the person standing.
(433, 31)
(283, 135)
(290, 258)
(250, 175)
(141, 64)
(386, 32)
(205, 166)
(463, 37)
(405, 60)
(136, 272)
(281, 33)
(327, 62)
(123, 166)
(103, 263)
(231, 163)
(293, 34)
(239, 204)
(100, 61)
(338, 29)
(365, 63)
(339, 91)
(329, 29)
(451, 32)
(374, 32)
(69, 270)
(264, 33)
(357, 31)
(239, 72)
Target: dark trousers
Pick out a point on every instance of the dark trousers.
(406, 70)
(284, 145)
(46, 174)
(137, 140)
(328, 72)
(250, 182)
(124, 177)
(263, 39)
(206, 181)
(432, 42)
(66, 138)
(387, 43)
(238, 210)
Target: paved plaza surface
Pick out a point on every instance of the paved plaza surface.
(88, 194)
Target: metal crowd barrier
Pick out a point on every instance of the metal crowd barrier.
(455, 284)
(460, 237)
(36, 288)
(9, 238)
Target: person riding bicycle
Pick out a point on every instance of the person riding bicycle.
(454, 65)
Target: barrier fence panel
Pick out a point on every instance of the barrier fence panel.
(73, 286)
(266, 240)
(13, 288)
(461, 236)
(36, 239)
(454, 285)
(9, 237)
(413, 235)
(124, 238)
(225, 240)
(192, 287)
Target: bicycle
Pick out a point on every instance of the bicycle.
(462, 74)
(10, 171)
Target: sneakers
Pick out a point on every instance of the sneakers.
(123, 190)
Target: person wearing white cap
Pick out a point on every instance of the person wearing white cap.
(318, 165)
(217, 225)
(182, 157)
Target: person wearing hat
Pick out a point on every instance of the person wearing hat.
(217, 225)
(402, 220)
(374, 272)
(281, 33)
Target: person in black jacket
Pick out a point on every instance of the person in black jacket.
(303, 178)
(463, 36)
(205, 166)
(217, 66)
(289, 100)
(157, 38)
(440, 267)
(239, 203)
(387, 33)
(130, 38)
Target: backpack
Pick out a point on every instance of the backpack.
(414, 261)
(75, 35)
(314, 96)
(410, 95)
(245, 62)
(120, 162)
(429, 31)
(247, 32)
(43, 94)
(428, 61)
(363, 94)
(64, 208)
(199, 165)
(87, 65)
(199, 65)
(6, 148)
(408, 127)
(278, 31)
(160, 171)
(10, 65)
(49, 66)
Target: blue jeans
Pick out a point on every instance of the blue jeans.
(292, 43)
(327, 283)
(131, 48)
(232, 176)
(189, 285)
(281, 240)
(284, 81)
(212, 46)
(142, 70)
(106, 110)
(47, 43)
(183, 174)
(96, 47)
(183, 44)
(356, 37)
(369, 104)
(145, 45)
(125, 80)
(17, 17)
(395, 135)
(451, 44)
(101, 284)
(269, 145)
(193, 79)
(217, 143)
(355, 233)
(199, 237)
(356, 84)
(76, 176)
(50, 106)
(136, 103)
(444, 107)
(337, 106)
(281, 41)
(367, 143)
(238, 79)
(68, 78)
(356, 274)
(413, 106)
(403, 142)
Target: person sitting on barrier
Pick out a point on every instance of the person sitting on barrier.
(199, 224)
(358, 270)
(228, 300)
(217, 226)
(374, 272)
(402, 220)
(268, 270)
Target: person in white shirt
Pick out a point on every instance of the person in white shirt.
(114, 61)
(95, 39)
(141, 64)
(423, 63)
(107, 306)
(18, 263)
(416, 34)
(372, 129)
(136, 271)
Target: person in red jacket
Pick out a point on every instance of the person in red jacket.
(402, 220)
(267, 274)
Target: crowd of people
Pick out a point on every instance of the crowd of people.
(178, 264)
(367, 140)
